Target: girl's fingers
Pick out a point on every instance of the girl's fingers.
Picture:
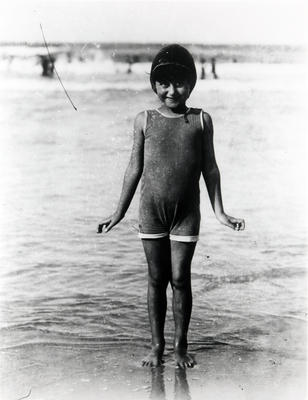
(107, 229)
(111, 224)
(239, 225)
(102, 225)
(107, 224)
(100, 228)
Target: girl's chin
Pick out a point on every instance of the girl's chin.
(173, 104)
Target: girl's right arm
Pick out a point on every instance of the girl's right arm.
(211, 176)
(131, 179)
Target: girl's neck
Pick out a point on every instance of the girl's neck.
(180, 110)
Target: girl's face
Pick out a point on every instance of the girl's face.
(172, 92)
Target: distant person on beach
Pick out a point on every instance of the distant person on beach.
(213, 64)
(202, 75)
(173, 146)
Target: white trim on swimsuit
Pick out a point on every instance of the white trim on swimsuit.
(201, 120)
(172, 116)
(180, 238)
(145, 121)
(152, 235)
(176, 238)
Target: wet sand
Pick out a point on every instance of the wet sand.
(99, 372)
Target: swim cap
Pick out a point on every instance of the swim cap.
(175, 57)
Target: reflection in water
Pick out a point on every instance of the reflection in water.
(181, 387)
(158, 384)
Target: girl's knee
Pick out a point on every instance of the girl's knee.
(182, 282)
(181, 275)
(158, 281)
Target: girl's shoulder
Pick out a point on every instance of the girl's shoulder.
(197, 110)
(207, 121)
(200, 111)
(140, 120)
(205, 118)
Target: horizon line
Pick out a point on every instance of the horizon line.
(112, 42)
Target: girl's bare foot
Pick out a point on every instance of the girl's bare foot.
(154, 358)
(183, 359)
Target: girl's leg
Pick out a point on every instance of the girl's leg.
(158, 256)
(181, 256)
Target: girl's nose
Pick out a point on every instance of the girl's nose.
(171, 89)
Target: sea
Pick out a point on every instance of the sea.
(73, 303)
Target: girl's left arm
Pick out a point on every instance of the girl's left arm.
(211, 177)
(131, 178)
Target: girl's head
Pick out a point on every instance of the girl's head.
(173, 62)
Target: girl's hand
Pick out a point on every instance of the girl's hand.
(108, 223)
(237, 224)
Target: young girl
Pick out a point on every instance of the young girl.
(172, 146)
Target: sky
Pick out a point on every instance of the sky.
(216, 21)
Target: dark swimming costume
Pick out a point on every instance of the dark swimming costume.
(170, 197)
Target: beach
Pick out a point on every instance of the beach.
(73, 303)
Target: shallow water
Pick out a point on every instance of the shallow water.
(64, 285)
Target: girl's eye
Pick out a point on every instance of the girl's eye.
(179, 83)
(164, 84)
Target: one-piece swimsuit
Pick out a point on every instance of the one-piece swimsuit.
(170, 195)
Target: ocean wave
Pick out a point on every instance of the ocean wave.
(86, 343)
(212, 282)
(246, 77)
